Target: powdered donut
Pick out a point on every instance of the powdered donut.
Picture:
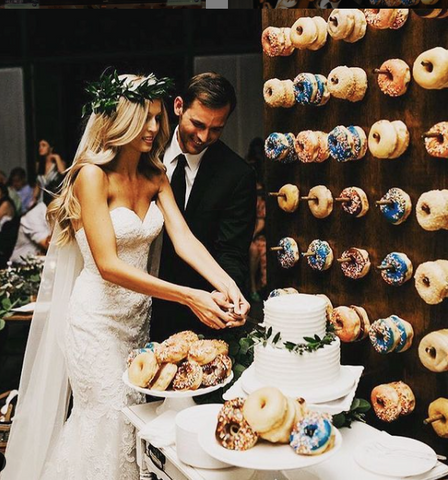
(400, 208)
(357, 203)
(288, 198)
(202, 352)
(188, 376)
(402, 138)
(142, 369)
(341, 82)
(164, 377)
(265, 409)
(438, 146)
(341, 23)
(360, 84)
(431, 281)
(432, 210)
(395, 82)
(322, 206)
(304, 32)
(430, 69)
(322, 255)
(433, 351)
(399, 269)
(359, 264)
(232, 430)
(279, 93)
(289, 255)
(359, 27)
(383, 139)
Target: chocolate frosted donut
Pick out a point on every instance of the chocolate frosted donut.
(359, 264)
(357, 203)
(400, 269)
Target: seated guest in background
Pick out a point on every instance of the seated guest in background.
(17, 180)
(13, 195)
(34, 232)
(50, 170)
(7, 207)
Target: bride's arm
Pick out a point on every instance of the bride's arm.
(193, 252)
(91, 187)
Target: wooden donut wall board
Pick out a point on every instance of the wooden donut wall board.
(415, 172)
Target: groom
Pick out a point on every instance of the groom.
(216, 192)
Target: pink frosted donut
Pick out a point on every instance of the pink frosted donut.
(438, 146)
(276, 42)
(400, 18)
(380, 18)
(395, 83)
(311, 146)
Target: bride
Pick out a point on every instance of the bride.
(95, 294)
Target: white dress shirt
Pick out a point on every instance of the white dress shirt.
(191, 168)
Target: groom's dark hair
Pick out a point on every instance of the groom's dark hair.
(212, 90)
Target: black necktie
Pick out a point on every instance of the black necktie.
(178, 183)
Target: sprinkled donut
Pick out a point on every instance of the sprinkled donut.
(400, 208)
(232, 430)
(282, 291)
(277, 42)
(305, 87)
(437, 146)
(279, 93)
(214, 372)
(346, 144)
(431, 281)
(395, 82)
(359, 264)
(322, 255)
(381, 18)
(202, 351)
(396, 269)
(351, 323)
(313, 434)
(386, 402)
(406, 333)
(401, 17)
(186, 335)
(407, 398)
(188, 376)
(311, 146)
(289, 255)
(391, 334)
(172, 351)
(280, 147)
(357, 203)
(433, 351)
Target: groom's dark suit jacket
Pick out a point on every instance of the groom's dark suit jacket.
(220, 212)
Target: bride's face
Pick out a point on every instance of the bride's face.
(145, 140)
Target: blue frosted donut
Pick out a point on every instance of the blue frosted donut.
(322, 253)
(340, 143)
(403, 333)
(399, 210)
(356, 139)
(400, 270)
(282, 291)
(280, 147)
(312, 434)
(384, 335)
(305, 86)
(289, 255)
(322, 94)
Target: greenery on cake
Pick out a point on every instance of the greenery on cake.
(263, 336)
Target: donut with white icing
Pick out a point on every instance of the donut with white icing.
(432, 210)
(279, 93)
(433, 351)
(431, 281)
(430, 69)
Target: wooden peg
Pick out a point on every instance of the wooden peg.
(343, 260)
(341, 199)
(309, 199)
(277, 194)
(384, 202)
(276, 249)
(433, 419)
(378, 71)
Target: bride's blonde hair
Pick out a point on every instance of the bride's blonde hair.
(99, 145)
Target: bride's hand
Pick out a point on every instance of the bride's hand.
(233, 299)
(208, 310)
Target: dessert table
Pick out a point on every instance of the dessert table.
(165, 465)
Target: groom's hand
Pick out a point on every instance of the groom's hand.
(238, 319)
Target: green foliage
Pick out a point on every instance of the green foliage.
(357, 411)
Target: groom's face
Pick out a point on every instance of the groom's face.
(199, 126)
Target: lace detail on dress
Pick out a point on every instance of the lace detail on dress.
(105, 322)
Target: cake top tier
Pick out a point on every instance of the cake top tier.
(296, 303)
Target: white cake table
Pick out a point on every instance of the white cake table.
(165, 465)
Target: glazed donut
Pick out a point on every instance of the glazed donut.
(143, 368)
(282, 291)
(341, 23)
(136, 351)
(438, 146)
(430, 69)
(321, 39)
(359, 264)
(395, 82)
(400, 208)
(164, 377)
(351, 323)
(304, 32)
(280, 147)
(439, 408)
(232, 430)
(357, 203)
(320, 201)
(288, 198)
(407, 398)
(172, 351)
(322, 255)
(282, 433)
(386, 402)
(359, 28)
(431, 281)
(432, 210)
(400, 19)
(221, 346)
(202, 352)
(188, 376)
(396, 269)
(276, 42)
(289, 255)
(313, 434)
(433, 351)
(214, 372)
(381, 18)
(279, 93)
(265, 409)
(187, 336)
(311, 146)
(341, 82)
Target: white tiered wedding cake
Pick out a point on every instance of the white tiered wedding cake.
(315, 375)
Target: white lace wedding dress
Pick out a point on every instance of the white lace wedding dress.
(105, 322)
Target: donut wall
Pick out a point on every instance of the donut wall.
(401, 170)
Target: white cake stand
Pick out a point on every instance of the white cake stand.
(176, 400)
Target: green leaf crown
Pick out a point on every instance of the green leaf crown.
(107, 91)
